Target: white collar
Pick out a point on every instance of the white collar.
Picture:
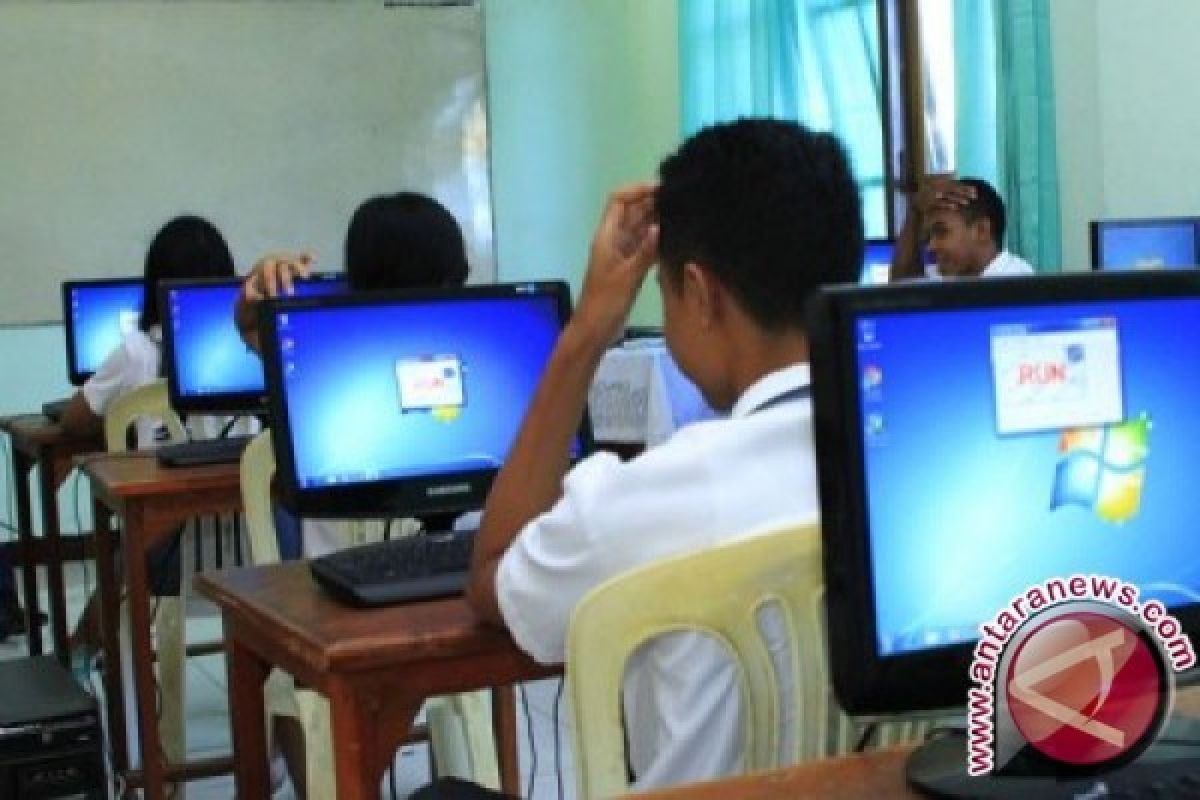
(769, 387)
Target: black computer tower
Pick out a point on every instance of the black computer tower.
(51, 744)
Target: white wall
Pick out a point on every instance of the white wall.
(583, 96)
(1127, 118)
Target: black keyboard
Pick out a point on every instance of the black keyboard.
(417, 567)
(207, 451)
(53, 410)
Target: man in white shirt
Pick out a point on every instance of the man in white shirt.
(963, 223)
(749, 218)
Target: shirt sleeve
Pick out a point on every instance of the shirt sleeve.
(108, 382)
(553, 562)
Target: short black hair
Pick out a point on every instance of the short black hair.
(405, 240)
(986, 205)
(186, 247)
(770, 207)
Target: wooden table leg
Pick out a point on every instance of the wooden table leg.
(22, 466)
(109, 602)
(247, 675)
(367, 730)
(48, 483)
(137, 540)
(504, 726)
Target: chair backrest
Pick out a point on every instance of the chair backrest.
(150, 400)
(257, 471)
(720, 591)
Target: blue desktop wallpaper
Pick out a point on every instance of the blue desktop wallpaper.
(95, 313)
(342, 396)
(1167, 245)
(961, 518)
(210, 356)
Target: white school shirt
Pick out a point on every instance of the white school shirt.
(1005, 264)
(135, 362)
(711, 482)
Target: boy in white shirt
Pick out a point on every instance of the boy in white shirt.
(962, 223)
(749, 218)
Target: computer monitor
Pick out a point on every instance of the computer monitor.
(1125, 244)
(975, 438)
(96, 316)
(208, 366)
(405, 403)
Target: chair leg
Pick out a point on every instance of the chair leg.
(318, 745)
(172, 658)
(460, 735)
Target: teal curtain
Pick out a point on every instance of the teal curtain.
(1006, 123)
(1026, 134)
(815, 61)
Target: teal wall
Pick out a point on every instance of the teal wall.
(1127, 121)
(583, 97)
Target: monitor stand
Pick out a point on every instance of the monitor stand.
(1169, 768)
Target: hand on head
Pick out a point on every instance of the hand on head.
(274, 275)
(944, 193)
(624, 248)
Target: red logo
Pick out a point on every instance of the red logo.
(1086, 688)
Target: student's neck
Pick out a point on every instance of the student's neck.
(759, 355)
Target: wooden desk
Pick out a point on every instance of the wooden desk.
(37, 440)
(153, 501)
(375, 666)
(871, 776)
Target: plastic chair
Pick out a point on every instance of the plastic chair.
(719, 591)
(459, 726)
(150, 401)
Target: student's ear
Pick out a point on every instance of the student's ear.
(703, 294)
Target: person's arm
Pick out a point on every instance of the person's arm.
(271, 276)
(936, 191)
(624, 247)
(78, 419)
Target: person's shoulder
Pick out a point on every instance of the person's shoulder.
(1008, 263)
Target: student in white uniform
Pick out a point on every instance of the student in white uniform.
(748, 219)
(962, 223)
(187, 247)
(405, 240)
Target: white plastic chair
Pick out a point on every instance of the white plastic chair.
(718, 591)
(460, 728)
(151, 402)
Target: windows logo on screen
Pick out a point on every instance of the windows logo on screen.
(1103, 468)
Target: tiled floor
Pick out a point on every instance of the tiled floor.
(208, 721)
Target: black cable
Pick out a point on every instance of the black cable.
(228, 427)
(532, 742)
(868, 733)
(558, 776)
(387, 529)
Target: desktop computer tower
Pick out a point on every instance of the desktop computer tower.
(51, 743)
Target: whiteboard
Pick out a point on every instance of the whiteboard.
(272, 119)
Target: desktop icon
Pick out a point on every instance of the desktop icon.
(872, 378)
(1103, 468)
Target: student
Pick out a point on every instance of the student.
(405, 240)
(963, 223)
(397, 241)
(186, 247)
(749, 219)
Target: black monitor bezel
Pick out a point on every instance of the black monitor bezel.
(864, 682)
(444, 493)
(1096, 226)
(76, 376)
(248, 402)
